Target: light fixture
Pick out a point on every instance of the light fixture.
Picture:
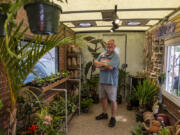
(115, 21)
(85, 24)
(115, 17)
(112, 30)
(134, 23)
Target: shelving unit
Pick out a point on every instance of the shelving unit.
(74, 60)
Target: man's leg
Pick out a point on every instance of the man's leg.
(104, 105)
(112, 94)
(103, 98)
(114, 108)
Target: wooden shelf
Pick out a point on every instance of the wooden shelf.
(51, 97)
(44, 89)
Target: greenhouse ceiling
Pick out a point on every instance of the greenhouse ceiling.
(97, 15)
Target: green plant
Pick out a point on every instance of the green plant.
(98, 43)
(27, 104)
(164, 131)
(146, 91)
(161, 77)
(86, 102)
(138, 130)
(19, 60)
(4, 7)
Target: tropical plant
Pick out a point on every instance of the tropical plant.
(146, 91)
(98, 43)
(19, 60)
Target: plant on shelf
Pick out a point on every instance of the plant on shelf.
(27, 104)
(19, 60)
(44, 123)
(146, 92)
(85, 104)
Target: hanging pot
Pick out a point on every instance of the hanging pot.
(2, 21)
(43, 17)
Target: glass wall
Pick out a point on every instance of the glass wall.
(46, 66)
(173, 70)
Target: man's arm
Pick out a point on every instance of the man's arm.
(103, 66)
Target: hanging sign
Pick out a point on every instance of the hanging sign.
(166, 30)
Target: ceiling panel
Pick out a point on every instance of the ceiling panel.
(69, 24)
(152, 22)
(76, 5)
(134, 28)
(145, 10)
(143, 14)
(91, 28)
(80, 16)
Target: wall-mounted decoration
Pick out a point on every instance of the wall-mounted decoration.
(166, 30)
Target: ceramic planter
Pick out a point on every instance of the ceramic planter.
(43, 17)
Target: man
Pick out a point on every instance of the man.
(108, 63)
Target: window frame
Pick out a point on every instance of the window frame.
(170, 96)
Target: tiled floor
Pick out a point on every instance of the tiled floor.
(85, 124)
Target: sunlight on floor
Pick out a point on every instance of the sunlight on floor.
(121, 118)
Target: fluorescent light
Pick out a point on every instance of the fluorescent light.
(134, 23)
(85, 24)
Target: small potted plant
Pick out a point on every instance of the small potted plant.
(43, 16)
(85, 103)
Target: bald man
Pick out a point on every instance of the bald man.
(108, 63)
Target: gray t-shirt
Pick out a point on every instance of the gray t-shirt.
(109, 76)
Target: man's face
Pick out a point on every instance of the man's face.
(110, 46)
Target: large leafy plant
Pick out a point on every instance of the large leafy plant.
(146, 91)
(18, 59)
(97, 44)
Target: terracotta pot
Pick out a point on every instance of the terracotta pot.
(154, 129)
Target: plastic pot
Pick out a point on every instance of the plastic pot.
(43, 17)
(2, 21)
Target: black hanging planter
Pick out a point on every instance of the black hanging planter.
(2, 21)
(43, 17)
